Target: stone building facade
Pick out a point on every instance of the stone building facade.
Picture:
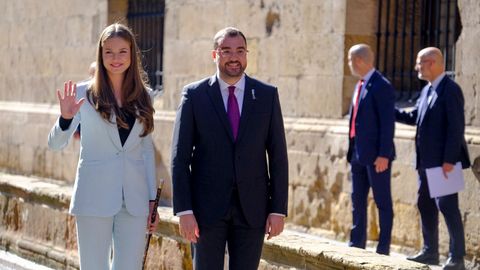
(299, 45)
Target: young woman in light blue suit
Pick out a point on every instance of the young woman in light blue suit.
(115, 182)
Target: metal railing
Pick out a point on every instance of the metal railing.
(406, 26)
(146, 18)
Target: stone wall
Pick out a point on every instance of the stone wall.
(360, 27)
(293, 44)
(24, 150)
(44, 43)
(467, 56)
(320, 186)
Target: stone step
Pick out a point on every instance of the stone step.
(24, 149)
(35, 224)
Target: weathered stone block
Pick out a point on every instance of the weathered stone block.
(168, 254)
(406, 225)
(255, 11)
(204, 27)
(361, 17)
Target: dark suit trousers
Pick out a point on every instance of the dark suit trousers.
(244, 243)
(364, 178)
(428, 208)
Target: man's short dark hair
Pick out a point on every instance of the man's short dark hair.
(227, 32)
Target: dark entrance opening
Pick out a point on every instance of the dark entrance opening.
(404, 27)
(146, 18)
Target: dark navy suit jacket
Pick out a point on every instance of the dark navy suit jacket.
(440, 135)
(207, 164)
(375, 122)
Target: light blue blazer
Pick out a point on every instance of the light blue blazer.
(108, 173)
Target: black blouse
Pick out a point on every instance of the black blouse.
(123, 132)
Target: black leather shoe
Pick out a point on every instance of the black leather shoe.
(452, 264)
(424, 257)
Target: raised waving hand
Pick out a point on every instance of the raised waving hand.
(69, 105)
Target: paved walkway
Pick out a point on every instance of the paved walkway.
(433, 267)
(372, 249)
(9, 261)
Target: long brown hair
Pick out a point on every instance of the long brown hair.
(135, 97)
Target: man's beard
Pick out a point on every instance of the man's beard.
(233, 72)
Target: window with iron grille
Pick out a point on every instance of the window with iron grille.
(407, 26)
(146, 18)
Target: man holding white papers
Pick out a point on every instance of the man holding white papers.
(439, 143)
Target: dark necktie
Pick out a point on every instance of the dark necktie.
(232, 111)
(355, 108)
(424, 105)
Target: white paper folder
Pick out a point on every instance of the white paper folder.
(440, 186)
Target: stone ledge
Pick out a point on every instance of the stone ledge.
(303, 251)
(291, 249)
(310, 252)
(55, 194)
(39, 252)
(299, 124)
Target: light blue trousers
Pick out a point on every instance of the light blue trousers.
(95, 235)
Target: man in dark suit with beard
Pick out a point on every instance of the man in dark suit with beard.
(229, 161)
